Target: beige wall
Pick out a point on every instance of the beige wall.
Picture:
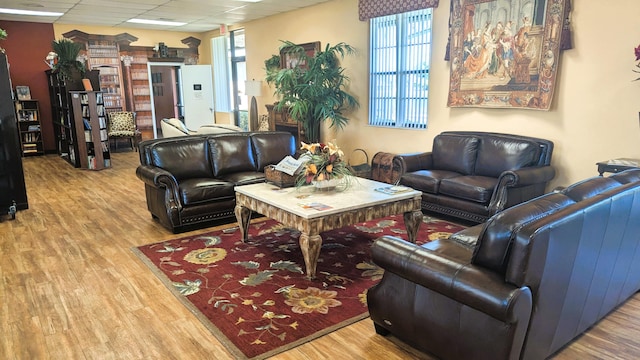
(596, 105)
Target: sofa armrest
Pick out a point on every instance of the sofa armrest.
(532, 180)
(479, 288)
(413, 162)
(160, 178)
(527, 176)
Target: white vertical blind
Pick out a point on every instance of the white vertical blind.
(221, 74)
(399, 69)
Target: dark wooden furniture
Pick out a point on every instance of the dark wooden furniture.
(282, 121)
(13, 192)
(28, 115)
(62, 114)
(617, 165)
(90, 129)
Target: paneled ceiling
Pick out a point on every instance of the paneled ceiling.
(199, 15)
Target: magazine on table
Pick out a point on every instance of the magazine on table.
(289, 165)
(392, 190)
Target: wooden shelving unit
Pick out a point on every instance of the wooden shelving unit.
(29, 129)
(140, 88)
(62, 118)
(104, 56)
(91, 129)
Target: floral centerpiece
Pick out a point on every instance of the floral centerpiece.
(324, 165)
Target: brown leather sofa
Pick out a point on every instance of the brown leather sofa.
(523, 284)
(189, 181)
(473, 175)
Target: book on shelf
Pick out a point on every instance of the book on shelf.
(392, 190)
(103, 135)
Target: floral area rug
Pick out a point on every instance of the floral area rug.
(255, 298)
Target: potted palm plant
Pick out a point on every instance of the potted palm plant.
(68, 64)
(313, 90)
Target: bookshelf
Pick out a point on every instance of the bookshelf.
(29, 129)
(62, 117)
(140, 88)
(104, 56)
(91, 129)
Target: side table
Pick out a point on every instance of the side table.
(617, 165)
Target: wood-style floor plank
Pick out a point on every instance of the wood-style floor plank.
(71, 288)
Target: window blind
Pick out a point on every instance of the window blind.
(399, 69)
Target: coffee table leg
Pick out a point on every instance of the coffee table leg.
(243, 215)
(310, 246)
(412, 221)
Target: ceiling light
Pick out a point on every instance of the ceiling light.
(29, 12)
(156, 22)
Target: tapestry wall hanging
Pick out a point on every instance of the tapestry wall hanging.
(505, 54)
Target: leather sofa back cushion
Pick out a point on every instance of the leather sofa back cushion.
(185, 159)
(231, 154)
(455, 153)
(494, 242)
(270, 148)
(590, 187)
(496, 155)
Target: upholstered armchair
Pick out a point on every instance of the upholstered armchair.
(122, 125)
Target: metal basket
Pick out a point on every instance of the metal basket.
(360, 170)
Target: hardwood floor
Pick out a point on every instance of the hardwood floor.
(70, 287)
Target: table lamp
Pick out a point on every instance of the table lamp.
(253, 88)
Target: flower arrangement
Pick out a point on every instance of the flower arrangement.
(637, 52)
(323, 162)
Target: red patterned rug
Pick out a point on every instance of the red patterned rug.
(254, 296)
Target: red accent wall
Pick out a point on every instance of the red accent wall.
(26, 46)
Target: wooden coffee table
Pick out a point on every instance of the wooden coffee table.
(312, 212)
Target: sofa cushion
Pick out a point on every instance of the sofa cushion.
(426, 180)
(495, 240)
(271, 147)
(473, 188)
(199, 190)
(499, 154)
(231, 153)
(455, 153)
(244, 177)
(185, 158)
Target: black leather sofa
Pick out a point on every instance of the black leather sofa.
(189, 181)
(523, 284)
(473, 175)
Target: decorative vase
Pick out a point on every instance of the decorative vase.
(326, 185)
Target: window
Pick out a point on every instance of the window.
(399, 69)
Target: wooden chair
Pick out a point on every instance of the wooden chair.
(122, 124)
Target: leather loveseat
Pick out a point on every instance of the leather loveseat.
(189, 181)
(523, 284)
(473, 175)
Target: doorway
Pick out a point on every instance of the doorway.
(166, 94)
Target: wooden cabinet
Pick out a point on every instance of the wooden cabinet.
(140, 90)
(282, 121)
(29, 129)
(13, 192)
(90, 113)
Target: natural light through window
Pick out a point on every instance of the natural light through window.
(399, 69)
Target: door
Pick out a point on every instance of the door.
(197, 92)
(164, 85)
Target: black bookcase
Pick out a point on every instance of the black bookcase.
(62, 112)
(13, 192)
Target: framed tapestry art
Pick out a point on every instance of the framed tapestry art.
(505, 54)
